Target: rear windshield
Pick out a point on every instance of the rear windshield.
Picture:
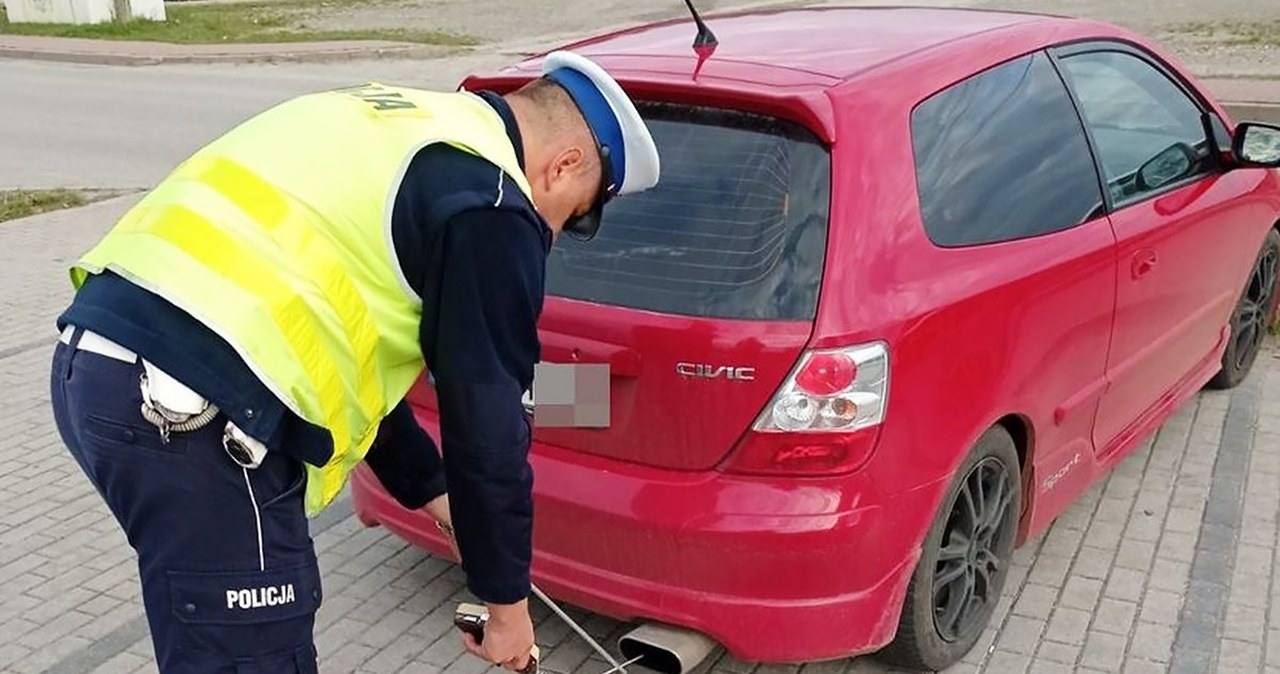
(736, 228)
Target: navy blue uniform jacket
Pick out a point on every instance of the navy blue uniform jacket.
(471, 245)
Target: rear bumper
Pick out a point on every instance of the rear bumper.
(785, 571)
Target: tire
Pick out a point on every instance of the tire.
(925, 642)
(1253, 316)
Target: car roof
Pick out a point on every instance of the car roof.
(787, 57)
(830, 42)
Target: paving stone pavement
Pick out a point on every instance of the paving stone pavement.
(1166, 566)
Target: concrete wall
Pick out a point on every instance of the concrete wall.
(152, 10)
(78, 11)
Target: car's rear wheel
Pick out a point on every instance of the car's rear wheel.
(965, 561)
(1252, 318)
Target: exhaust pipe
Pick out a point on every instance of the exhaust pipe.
(664, 649)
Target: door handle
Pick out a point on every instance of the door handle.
(1143, 262)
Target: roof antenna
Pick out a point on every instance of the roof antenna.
(705, 43)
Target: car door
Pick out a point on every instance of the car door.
(1172, 217)
(1011, 201)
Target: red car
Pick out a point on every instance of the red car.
(912, 281)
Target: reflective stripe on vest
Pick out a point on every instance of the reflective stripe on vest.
(277, 236)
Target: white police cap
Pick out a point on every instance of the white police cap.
(618, 127)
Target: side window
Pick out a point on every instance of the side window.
(1003, 156)
(1148, 132)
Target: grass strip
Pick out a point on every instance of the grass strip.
(236, 23)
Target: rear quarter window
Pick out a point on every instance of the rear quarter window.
(1002, 156)
(736, 227)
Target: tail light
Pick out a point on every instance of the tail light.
(824, 419)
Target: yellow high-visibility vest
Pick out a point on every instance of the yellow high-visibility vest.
(277, 237)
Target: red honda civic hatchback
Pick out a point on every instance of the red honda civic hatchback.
(912, 281)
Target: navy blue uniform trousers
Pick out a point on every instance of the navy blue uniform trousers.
(229, 576)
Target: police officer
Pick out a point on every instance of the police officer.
(246, 334)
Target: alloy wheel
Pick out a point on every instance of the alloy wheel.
(1254, 311)
(965, 580)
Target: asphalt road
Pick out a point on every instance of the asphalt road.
(66, 125)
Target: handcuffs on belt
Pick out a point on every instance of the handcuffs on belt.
(171, 406)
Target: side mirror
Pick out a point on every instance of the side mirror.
(1257, 145)
(1171, 164)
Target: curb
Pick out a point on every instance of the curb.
(133, 54)
(1253, 111)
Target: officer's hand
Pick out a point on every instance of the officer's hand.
(508, 637)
